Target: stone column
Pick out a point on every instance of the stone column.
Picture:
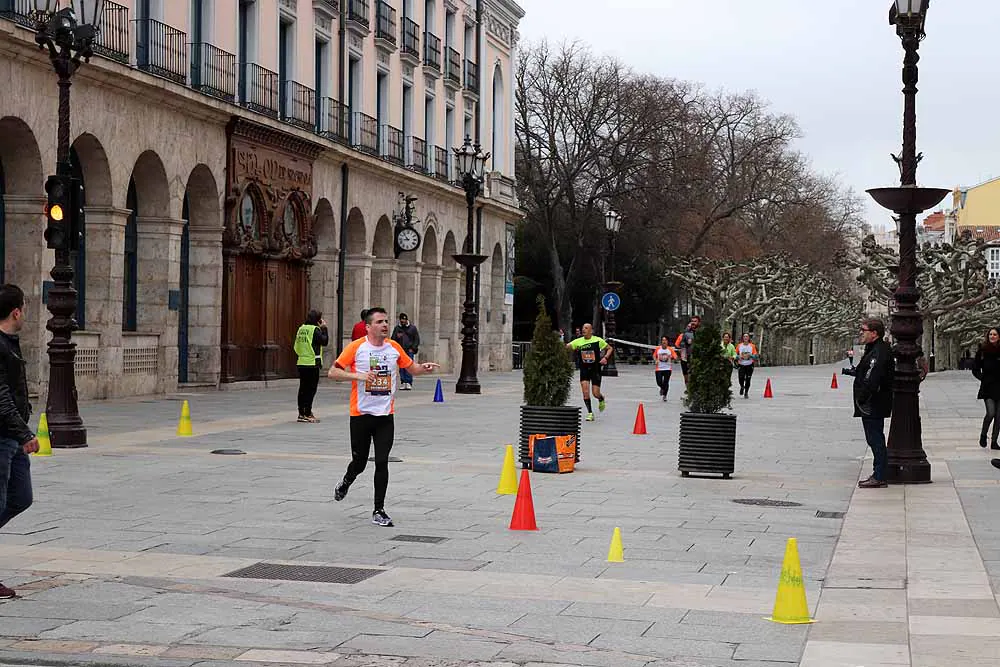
(204, 304)
(408, 291)
(323, 296)
(105, 253)
(357, 290)
(430, 311)
(449, 327)
(159, 272)
(28, 263)
(383, 290)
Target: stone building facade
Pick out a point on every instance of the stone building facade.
(245, 160)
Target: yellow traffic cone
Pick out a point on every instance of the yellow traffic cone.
(44, 444)
(508, 476)
(615, 552)
(184, 425)
(790, 605)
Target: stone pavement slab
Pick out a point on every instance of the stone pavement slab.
(121, 560)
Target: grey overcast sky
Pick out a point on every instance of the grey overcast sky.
(838, 72)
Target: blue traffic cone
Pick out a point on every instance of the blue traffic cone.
(438, 393)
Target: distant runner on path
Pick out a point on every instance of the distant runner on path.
(664, 357)
(594, 354)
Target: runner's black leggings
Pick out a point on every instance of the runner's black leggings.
(364, 430)
(663, 381)
(744, 373)
(991, 416)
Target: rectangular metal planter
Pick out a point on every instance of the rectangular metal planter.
(707, 444)
(561, 420)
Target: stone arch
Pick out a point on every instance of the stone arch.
(356, 233)
(323, 273)
(20, 158)
(430, 293)
(96, 171)
(325, 227)
(494, 327)
(382, 246)
(448, 249)
(499, 114)
(152, 189)
(429, 250)
(202, 192)
(450, 300)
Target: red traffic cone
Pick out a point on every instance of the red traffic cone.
(833, 385)
(524, 508)
(640, 422)
(767, 389)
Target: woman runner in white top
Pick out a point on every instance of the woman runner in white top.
(664, 357)
(746, 355)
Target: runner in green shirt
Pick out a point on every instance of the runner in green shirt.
(594, 353)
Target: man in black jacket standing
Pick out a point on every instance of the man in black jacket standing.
(873, 396)
(16, 438)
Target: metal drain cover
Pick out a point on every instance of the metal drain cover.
(766, 502)
(324, 574)
(426, 539)
(228, 452)
(820, 514)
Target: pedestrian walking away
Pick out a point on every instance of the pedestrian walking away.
(360, 330)
(310, 340)
(746, 357)
(684, 345)
(408, 337)
(594, 353)
(371, 365)
(873, 396)
(986, 368)
(664, 356)
(16, 438)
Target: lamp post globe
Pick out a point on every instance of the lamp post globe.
(470, 162)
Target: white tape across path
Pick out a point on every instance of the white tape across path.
(633, 344)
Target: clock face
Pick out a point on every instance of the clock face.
(290, 221)
(408, 239)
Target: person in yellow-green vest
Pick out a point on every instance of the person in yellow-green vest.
(310, 340)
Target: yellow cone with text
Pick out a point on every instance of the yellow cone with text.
(508, 476)
(44, 444)
(615, 552)
(184, 425)
(790, 605)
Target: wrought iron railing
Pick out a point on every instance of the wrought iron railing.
(385, 22)
(112, 38)
(18, 11)
(364, 133)
(441, 164)
(392, 144)
(357, 11)
(213, 71)
(432, 51)
(259, 89)
(417, 157)
(411, 38)
(161, 50)
(298, 105)
(453, 66)
(471, 76)
(333, 119)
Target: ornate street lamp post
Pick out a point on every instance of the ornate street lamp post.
(471, 162)
(68, 33)
(612, 222)
(907, 460)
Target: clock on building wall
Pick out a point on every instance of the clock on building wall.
(407, 237)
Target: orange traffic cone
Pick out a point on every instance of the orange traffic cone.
(524, 509)
(833, 385)
(767, 389)
(640, 422)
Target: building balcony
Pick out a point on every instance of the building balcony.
(364, 133)
(112, 40)
(213, 71)
(161, 50)
(441, 164)
(410, 49)
(385, 26)
(358, 17)
(416, 154)
(298, 105)
(432, 54)
(453, 68)
(259, 90)
(392, 144)
(18, 11)
(333, 117)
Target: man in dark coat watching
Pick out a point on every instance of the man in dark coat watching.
(873, 396)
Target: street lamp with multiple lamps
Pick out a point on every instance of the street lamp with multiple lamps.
(613, 223)
(907, 460)
(471, 163)
(67, 30)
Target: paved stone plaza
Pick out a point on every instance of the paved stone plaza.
(121, 559)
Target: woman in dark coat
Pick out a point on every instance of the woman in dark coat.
(987, 371)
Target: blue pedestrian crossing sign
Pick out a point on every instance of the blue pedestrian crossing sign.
(610, 301)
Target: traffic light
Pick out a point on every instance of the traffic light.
(58, 211)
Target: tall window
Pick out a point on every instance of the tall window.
(200, 21)
(381, 106)
(499, 151)
(449, 129)
(467, 128)
(429, 134)
(407, 110)
(449, 29)
(354, 85)
(247, 28)
(286, 58)
(130, 280)
(993, 263)
(430, 16)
